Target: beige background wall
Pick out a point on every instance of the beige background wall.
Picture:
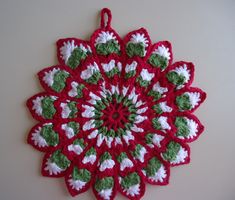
(200, 31)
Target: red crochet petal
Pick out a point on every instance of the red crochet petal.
(180, 69)
(34, 105)
(63, 53)
(194, 125)
(54, 79)
(44, 136)
(82, 182)
(133, 192)
(135, 37)
(196, 98)
(50, 168)
(182, 157)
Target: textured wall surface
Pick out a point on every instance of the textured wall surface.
(200, 31)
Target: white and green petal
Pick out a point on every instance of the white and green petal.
(107, 43)
(155, 172)
(88, 112)
(154, 139)
(78, 179)
(188, 127)
(70, 129)
(76, 90)
(55, 163)
(139, 153)
(145, 78)
(181, 74)
(190, 100)
(68, 109)
(104, 187)
(137, 43)
(72, 52)
(106, 162)
(176, 154)
(161, 55)
(131, 185)
(42, 106)
(91, 74)
(90, 156)
(161, 123)
(111, 68)
(124, 161)
(130, 69)
(88, 125)
(157, 91)
(77, 146)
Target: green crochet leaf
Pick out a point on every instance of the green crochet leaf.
(172, 151)
(60, 159)
(175, 78)
(107, 48)
(104, 183)
(81, 174)
(51, 137)
(135, 49)
(130, 180)
(153, 166)
(182, 127)
(59, 81)
(158, 61)
(48, 109)
(183, 102)
(76, 56)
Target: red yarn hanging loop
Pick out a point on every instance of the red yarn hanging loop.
(106, 18)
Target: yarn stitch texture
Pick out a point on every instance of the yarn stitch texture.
(116, 113)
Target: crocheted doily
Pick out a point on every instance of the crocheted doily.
(115, 113)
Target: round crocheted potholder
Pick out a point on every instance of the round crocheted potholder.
(115, 113)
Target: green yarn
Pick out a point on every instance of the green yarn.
(158, 61)
(59, 81)
(76, 56)
(107, 48)
(175, 78)
(130, 74)
(104, 184)
(98, 123)
(79, 142)
(60, 159)
(155, 95)
(149, 138)
(73, 107)
(172, 151)
(94, 78)
(80, 87)
(48, 109)
(105, 156)
(183, 102)
(156, 124)
(91, 151)
(121, 157)
(130, 180)
(51, 137)
(157, 109)
(143, 83)
(81, 174)
(153, 166)
(100, 105)
(135, 49)
(182, 127)
(75, 126)
(112, 72)
(132, 117)
(136, 152)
